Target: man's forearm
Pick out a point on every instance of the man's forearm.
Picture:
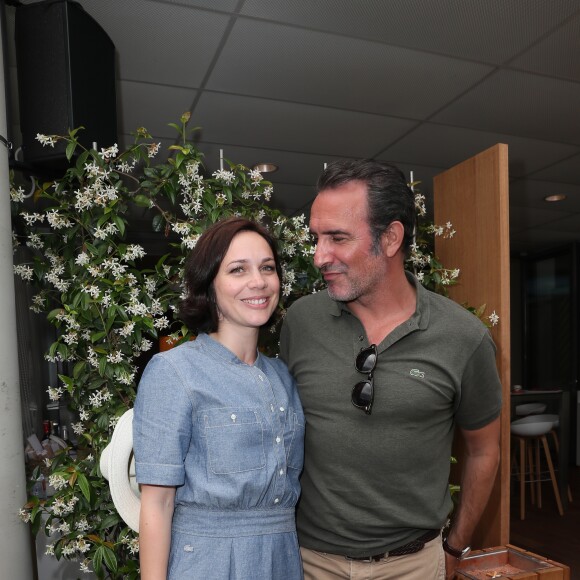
(478, 475)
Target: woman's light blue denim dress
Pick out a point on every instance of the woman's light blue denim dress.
(229, 436)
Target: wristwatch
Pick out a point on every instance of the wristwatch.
(459, 554)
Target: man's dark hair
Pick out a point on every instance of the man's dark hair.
(199, 308)
(389, 197)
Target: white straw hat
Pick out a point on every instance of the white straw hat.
(118, 466)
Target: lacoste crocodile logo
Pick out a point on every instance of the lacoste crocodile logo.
(417, 373)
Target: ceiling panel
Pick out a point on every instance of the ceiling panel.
(141, 104)
(556, 55)
(316, 72)
(423, 144)
(518, 103)
(293, 199)
(159, 42)
(214, 5)
(531, 193)
(462, 29)
(293, 127)
(567, 171)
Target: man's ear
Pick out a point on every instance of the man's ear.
(392, 239)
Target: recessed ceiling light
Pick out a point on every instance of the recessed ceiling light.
(265, 167)
(556, 197)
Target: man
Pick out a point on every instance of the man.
(380, 422)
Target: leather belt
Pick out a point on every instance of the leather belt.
(409, 548)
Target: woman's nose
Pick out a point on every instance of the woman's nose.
(258, 280)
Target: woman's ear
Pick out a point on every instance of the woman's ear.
(392, 239)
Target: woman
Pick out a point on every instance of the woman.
(218, 428)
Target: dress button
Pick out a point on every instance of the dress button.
(278, 439)
(282, 409)
(281, 472)
(276, 500)
(361, 337)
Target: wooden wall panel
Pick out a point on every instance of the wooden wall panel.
(474, 197)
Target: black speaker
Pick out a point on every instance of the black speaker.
(66, 79)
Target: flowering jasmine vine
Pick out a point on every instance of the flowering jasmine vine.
(110, 302)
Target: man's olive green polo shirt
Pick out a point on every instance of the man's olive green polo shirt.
(373, 482)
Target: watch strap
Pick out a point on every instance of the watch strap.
(459, 554)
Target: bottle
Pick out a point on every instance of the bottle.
(46, 443)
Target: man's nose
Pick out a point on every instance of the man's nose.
(321, 255)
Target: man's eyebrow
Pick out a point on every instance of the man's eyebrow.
(333, 233)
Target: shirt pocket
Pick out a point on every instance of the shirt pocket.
(295, 455)
(235, 441)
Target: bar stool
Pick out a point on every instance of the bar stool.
(529, 432)
(554, 434)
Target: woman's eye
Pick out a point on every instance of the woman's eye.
(268, 268)
(237, 270)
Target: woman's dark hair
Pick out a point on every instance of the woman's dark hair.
(389, 197)
(199, 309)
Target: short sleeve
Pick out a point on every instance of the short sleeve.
(162, 425)
(480, 399)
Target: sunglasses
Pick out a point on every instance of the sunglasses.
(363, 393)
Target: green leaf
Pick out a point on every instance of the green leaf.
(110, 559)
(110, 521)
(84, 485)
(141, 200)
(70, 149)
(98, 559)
(78, 369)
(158, 223)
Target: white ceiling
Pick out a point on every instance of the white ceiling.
(423, 83)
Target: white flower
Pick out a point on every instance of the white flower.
(17, 194)
(24, 271)
(49, 550)
(82, 525)
(57, 481)
(54, 393)
(45, 140)
(161, 323)
(112, 151)
(57, 221)
(153, 149)
(134, 251)
(127, 329)
(85, 566)
(226, 176)
(493, 318)
(64, 528)
(34, 241)
(24, 515)
(78, 428)
(145, 345)
(82, 259)
(255, 176)
(115, 357)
